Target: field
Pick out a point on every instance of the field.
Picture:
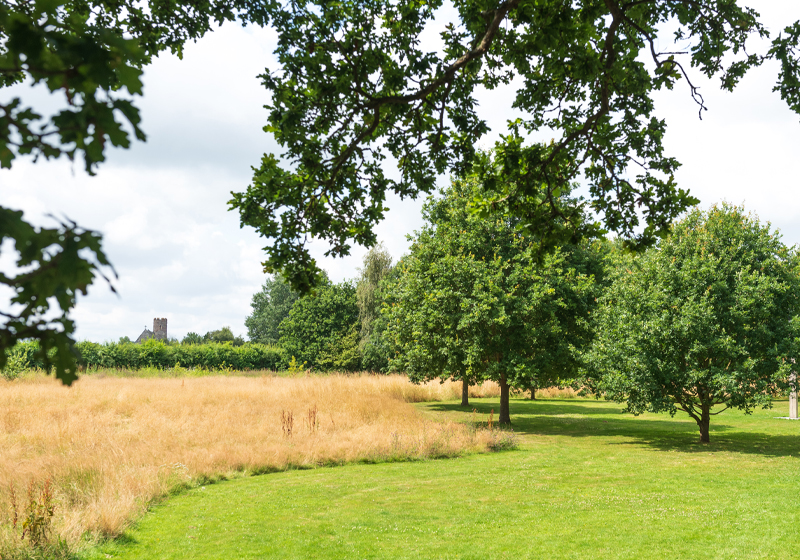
(586, 482)
(110, 445)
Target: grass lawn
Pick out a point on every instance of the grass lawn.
(586, 482)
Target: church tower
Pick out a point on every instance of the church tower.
(160, 329)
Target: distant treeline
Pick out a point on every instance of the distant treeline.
(154, 353)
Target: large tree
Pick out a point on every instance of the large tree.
(93, 52)
(360, 91)
(474, 300)
(709, 318)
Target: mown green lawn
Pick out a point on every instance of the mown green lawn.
(586, 482)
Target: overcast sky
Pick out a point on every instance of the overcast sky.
(162, 205)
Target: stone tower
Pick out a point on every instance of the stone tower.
(160, 329)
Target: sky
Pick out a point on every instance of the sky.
(162, 205)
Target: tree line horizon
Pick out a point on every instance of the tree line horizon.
(706, 318)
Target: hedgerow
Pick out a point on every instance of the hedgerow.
(155, 353)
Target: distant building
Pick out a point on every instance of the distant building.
(159, 331)
(147, 334)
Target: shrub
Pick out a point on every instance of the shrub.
(15, 365)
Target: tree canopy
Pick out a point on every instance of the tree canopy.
(225, 334)
(472, 301)
(709, 317)
(191, 338)
(376, 272)
(359, 88)
(322, 328)
(92, 51)
(270, 306)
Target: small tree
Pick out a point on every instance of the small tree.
(475, 300)
(377, 265)
(370, 296)
(225, 334)
(708, 318)
(270, 306)
(192, 338)
(425, 325)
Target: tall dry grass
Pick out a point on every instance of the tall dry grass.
(399, 387)
(112, 445)
(557, 393)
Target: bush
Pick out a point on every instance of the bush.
(15, 365)
(23, 356)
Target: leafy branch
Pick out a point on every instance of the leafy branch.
(356, 92)
(53, 263)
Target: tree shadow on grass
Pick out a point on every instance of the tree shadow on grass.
(551, 406)
(751, 443)
(604, 419)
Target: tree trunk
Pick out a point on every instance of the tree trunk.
(505, 414)
(464, 392)
(533, 393)
(704, 422)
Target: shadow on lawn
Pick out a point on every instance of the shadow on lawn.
(527, 407)
(604, 419)
(752, 443)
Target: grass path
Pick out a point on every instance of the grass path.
(587, 482)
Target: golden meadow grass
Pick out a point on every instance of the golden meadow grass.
(111, 445)
(557, 393)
